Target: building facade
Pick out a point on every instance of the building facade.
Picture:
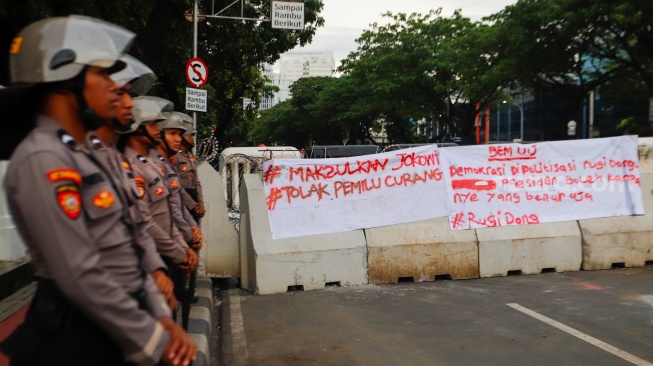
(294, 65)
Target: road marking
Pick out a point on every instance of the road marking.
(589, 339)
(239, 343)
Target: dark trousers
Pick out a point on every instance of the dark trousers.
(177, 276)
(56, 333)
(192, 192)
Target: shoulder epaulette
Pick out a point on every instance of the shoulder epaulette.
(66, 139)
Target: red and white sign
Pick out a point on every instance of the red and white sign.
(517, 184)
(317, 196)
(476, 186)
(197, 74)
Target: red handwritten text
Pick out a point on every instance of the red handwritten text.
(508, 153)
(307, 174)
(484, 170)
(501, 219)
(407, 179)
(343, 189)
(541, 167)
(412, 160)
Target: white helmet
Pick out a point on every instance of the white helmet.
(57, 49)
(135, 73)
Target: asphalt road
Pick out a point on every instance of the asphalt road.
(576, 318)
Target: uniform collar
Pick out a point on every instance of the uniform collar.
(91, 141)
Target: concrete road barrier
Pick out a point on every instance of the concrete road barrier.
(421, 250)
(310, 262)
(529, 249)
(624, 240)
(221, 248)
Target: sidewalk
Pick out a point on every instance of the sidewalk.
(12, 313)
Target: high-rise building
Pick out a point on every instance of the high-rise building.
(294, 65)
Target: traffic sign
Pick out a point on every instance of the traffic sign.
(196, 99)
(287, 15)
(197, 73)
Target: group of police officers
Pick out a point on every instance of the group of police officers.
(105, 195)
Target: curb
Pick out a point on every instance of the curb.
(200, 321)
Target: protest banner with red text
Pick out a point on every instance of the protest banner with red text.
(518, 184)
(318, 196)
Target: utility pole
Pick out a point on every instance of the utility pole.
(195, 54)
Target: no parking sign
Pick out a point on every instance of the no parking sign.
(197, 73)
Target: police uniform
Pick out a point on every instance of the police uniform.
(151, 260)
(154, 202)
(186, 167)
(181, 216)
(74, 219)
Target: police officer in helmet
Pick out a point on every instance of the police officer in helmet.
(94, 305)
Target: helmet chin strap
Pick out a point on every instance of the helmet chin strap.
(188, 144)
(89, 118)
(141, 131)
(165, 143)
(121, 127)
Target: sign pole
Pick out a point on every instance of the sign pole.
(195, 55)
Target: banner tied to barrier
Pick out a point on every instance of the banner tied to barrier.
(476, 186)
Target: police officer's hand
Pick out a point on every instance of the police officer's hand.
(180, 350)
(197, 239)
(199, 209)
(191, 260)
(165, 286)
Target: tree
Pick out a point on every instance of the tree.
(423, 67)
(566, 47)
(233, 50)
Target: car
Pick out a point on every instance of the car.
(341, 151)
(394, 147)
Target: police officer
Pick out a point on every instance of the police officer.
(94, 305)
(152, 190)
(171, 131)
(137, 79)
(185, 165)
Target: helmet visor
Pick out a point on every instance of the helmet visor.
(56, 49)
(137, 74)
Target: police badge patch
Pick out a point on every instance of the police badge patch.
(70, 201)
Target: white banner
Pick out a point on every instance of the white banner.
(317, 196)
(516, 184)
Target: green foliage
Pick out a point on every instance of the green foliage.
(232, 49)
(631, 126)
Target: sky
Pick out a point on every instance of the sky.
(345, 20)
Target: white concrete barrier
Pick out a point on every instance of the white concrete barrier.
(529, 249)
(623, 240)
(221, 250)
(421, 250)
(11, 245)
(270, 266)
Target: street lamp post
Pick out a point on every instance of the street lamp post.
(521, 120)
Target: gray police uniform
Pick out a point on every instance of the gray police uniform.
(154, 203)
(151, 260)
(186, 167)
(182, 218)
(78, 231)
